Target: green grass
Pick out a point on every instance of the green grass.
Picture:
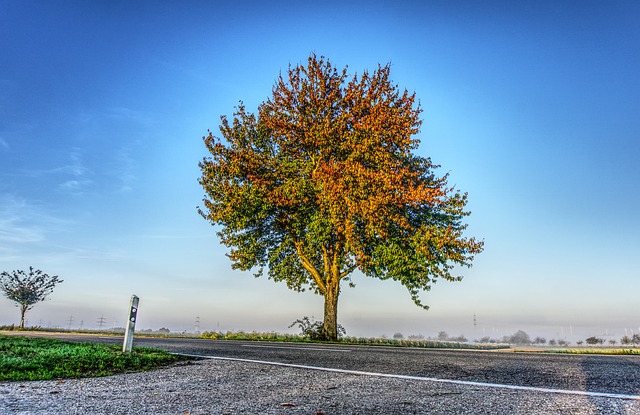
(26, 358)
(279, 337)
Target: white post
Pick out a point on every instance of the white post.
(131, 324)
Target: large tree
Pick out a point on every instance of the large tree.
(27, 288)
(324, 181)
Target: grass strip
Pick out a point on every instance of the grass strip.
(27, 358)
(596, 351)
(297, 338)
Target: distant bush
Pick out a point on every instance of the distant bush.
(487, 339)
(430, 344)
(593, 340)
(427, 344)
(519, 337)
(252, 336)
(539, 340)
(444, 336)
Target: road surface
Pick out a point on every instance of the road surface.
(259, 377)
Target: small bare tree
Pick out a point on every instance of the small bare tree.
(27, 289)
(539, 340)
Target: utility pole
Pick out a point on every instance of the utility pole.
(70, 321)
(197, 330)
(101, 322)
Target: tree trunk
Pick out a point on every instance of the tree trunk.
(23, 310)
(330, 324)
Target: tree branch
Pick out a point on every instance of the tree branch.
(309, 267)
(348, 271)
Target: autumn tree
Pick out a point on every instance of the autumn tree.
(27, 288)
(324, 181)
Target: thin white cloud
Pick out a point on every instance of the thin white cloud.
(66, 253)
(125, 171)
(14, 231)
(4, 145)
(123, 113)
(76, 166)
(25, 229)
(76, 187)
(106, 116)
(72, 176)
(17, 224)
(170, 237)
(118, 165)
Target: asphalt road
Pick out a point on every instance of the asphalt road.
(285, 379)
(591, 373)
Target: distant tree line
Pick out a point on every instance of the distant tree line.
(520, 337)
(633, 340)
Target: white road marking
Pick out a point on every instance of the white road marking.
(296, 348)
(421, 378)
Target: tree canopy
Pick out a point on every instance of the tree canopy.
(324, 181)
(27, 289)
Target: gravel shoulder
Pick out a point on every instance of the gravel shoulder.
(231, 387)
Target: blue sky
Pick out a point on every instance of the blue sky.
(533, 108)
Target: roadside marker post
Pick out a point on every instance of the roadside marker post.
(131, 324)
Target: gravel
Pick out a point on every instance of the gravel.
(232, 387)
